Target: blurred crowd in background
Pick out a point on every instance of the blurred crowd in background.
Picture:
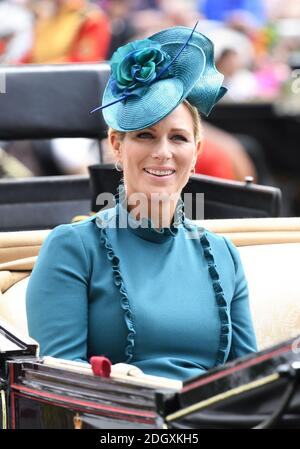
(256, 41)
(257, 48)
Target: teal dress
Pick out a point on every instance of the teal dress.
(173, 302)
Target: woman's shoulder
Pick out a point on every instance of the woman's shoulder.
(72, 229)
(197, 229)
(85, 234)
(71, 233)
(218, 244)
(84, 227)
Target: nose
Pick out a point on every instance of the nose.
(162, 150)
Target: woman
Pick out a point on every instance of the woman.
(143, 285)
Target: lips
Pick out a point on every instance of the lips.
(160, 172)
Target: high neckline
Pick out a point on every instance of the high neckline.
(144, 227)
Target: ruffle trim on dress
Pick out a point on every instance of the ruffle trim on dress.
(125, 305)
(220, 299)
(145, 223)
(178, 219)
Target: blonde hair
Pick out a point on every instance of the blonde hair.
(198, 134)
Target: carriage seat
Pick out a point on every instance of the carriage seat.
(269, 249)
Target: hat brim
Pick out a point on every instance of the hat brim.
(195, 79)
(208, 89)
(162, 97)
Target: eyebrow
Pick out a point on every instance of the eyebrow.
(172, 129)
(180, 130)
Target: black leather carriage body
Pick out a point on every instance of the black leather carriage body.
(260, 390)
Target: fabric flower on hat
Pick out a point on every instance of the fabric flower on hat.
(136, 65)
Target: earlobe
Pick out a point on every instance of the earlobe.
(198, 151)
(199, 148)
(115, 144)
(114, 141)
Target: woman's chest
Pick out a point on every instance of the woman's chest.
(165, 294)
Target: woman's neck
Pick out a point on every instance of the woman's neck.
(160, 209)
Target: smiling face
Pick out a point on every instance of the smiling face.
(158, 159)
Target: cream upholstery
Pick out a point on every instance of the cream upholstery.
(269, 249)
(13, 307)
(272, 272)
(20, 245)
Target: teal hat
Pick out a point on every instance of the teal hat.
(151, 77)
